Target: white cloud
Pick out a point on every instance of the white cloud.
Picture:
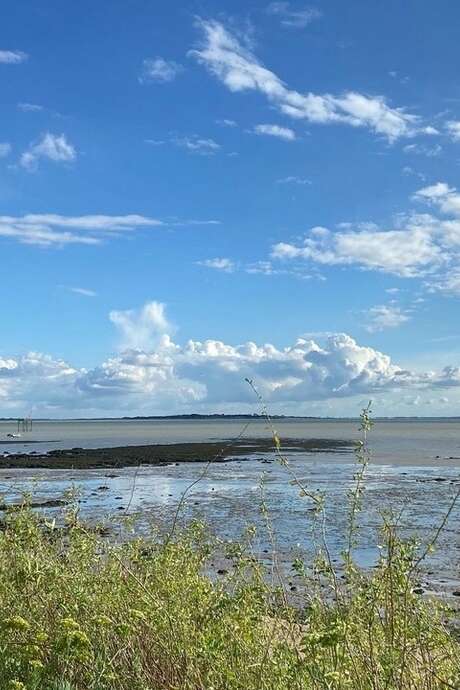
(83, 291)
(294, 179)
(240, 70)
(159, 70)
(453, 129)
(383, 316)
(226, 123)
(12, 57)
(54, 147)
(143, 328)
(30, 107)
(290, 18)
(446, 198)
(5, 149)
(448, 283)
(196, 144)
(407, 170)
(423, 150)
(49, 229)
(276, 131)
(400, 252)
(156, 375)
(220, 264)
(419, 244)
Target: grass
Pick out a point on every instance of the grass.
(78, 612)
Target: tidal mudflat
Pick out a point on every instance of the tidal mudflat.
(228, 499)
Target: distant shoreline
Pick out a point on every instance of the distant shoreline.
(216, 416)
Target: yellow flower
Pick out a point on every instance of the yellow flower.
(16, 623)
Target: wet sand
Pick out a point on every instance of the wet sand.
(165, 454)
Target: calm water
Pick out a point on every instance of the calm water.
(412, 442)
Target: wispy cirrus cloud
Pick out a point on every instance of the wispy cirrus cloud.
(294, 179)
(236, 66)
(12, 57)
(284, 133)
(53, 147)
(430, 151)
(85, 292)
(293, 18)
(196, 144)
(225, 122)
(159, 70)
(30, 107)
(51, 229)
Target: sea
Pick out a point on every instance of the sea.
(414, 441)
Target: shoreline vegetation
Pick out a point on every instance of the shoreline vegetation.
(82, 610)
(165, 454)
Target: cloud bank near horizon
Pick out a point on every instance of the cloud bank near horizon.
(152, 374)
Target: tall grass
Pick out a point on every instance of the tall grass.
(78, 612)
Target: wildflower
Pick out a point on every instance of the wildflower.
(16, 623)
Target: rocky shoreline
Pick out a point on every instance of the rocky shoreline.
(165, 454)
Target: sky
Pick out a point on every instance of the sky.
(196, 193)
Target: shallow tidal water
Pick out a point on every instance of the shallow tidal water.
(228, 499)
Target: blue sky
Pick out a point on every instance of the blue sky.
(180, 179)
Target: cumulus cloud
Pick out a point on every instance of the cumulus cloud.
(384, 316)
(446, 198)
(53, 147)
(142, 328)
(276, 131)
(293, 18)
(12, 57)
(47, 229)
(156, 375)
(420, 244)
(236, 66)
(159, 70)
(220, 264)
(405, 253)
